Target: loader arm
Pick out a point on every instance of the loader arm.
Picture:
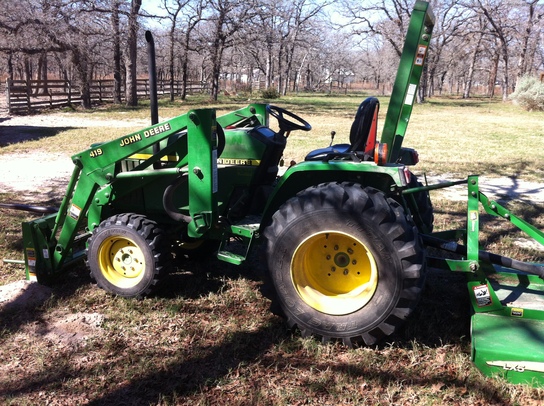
(50, 242)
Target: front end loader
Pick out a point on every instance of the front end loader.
(344, 232)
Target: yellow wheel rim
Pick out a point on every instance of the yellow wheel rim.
(334, 273)
(121, 261)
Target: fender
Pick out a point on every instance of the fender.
(388, 178)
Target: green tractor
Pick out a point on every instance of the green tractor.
(344, 232)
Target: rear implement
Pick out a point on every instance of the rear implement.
(507, 296)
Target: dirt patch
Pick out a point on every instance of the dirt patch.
(60, 329)
(38, 174)
(68, 330)
(23, 295)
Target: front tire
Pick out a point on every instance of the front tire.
(344, 262)
(127, 255)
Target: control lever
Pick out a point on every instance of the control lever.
(333, 133)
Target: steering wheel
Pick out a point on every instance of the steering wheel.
(285, 124)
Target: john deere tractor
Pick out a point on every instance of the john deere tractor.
(344, 231)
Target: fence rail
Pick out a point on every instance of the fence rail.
(27, 96)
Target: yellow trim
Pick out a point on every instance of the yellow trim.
(334, 272)
(121, 262)
(143, 157)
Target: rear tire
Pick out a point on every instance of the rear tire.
(127, 255)
(344, 262)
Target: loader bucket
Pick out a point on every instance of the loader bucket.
(509, 342)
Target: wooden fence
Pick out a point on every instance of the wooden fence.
(27, 96)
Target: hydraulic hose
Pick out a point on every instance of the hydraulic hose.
(29, 207)
(168, 200)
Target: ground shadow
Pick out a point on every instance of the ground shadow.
(21, 133)
(204, 366)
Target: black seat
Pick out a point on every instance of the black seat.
(362, 136)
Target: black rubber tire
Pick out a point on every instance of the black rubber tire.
(133, 242)
(371, 220)
(425, 220)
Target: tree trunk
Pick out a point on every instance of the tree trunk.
(522, 61)
(116, 53)
(81, 67)
(216, 66)
(171, 61)
(172, 36)
(184, 75)
(493, 74)
(471, 68)
(505, 79)
(217, 54)
(10, 65)
(131, 79)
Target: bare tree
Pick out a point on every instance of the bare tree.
(297, 17)
(496, 13)
(172, 9)
(131, 58)
(226, 19)
(193, 15)
(477, 37)
(531, 15)
(285, 42)
(261, 38)
(386, 18)
(117, 80)
(47, 26)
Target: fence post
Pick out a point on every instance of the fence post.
(8, 94)
(69, 93)
(28, 94)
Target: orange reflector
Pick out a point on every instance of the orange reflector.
(380, 153)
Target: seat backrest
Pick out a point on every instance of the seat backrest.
(364, 129)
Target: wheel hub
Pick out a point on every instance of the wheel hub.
(341, 259)
(334, 272)
(122, 262)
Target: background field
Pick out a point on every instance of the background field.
(207, 336)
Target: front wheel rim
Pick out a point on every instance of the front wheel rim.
(334, 272)
(121, 261)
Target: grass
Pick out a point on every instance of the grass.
(207, 337)
(452, 136)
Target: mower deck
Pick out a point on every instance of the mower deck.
(509, 343)
(518, 290)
